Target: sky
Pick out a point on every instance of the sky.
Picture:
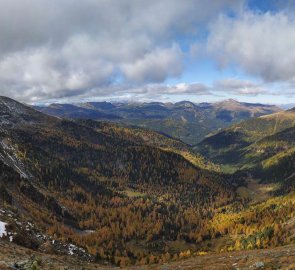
(156, 50)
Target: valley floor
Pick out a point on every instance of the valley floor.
(15, 257)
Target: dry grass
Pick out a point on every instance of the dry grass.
(255, 191)
(277, 258)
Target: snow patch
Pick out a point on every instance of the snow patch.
(72, 248)
(3, 231)
(12, 159)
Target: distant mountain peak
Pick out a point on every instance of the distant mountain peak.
(186, 104)
(97, 105)
(229, 101)
(292, 110)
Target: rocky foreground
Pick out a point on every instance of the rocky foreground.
(15, 257)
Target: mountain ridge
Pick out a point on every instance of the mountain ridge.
(184, 120)
(247, 143)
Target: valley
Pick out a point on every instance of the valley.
(107, 194)
(147, 135)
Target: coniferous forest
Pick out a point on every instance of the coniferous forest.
(132, 196)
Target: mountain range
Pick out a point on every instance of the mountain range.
(184, 120)
(87, 192)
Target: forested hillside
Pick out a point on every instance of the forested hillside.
(261, 148)
(241, 144)
(106, 193)
(123, 195)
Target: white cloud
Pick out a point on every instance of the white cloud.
(153, 90)
(262, 44)
(62, 48)
(188, 89)
(155, 66)
(240, 87)
(148, 92)
(42, 74)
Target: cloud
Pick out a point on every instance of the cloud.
(155, 66)
(42, 74)
(146, 92)
(261, 44)
(153, 89)
(178, 89)
(240, 87)
(62, 48)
